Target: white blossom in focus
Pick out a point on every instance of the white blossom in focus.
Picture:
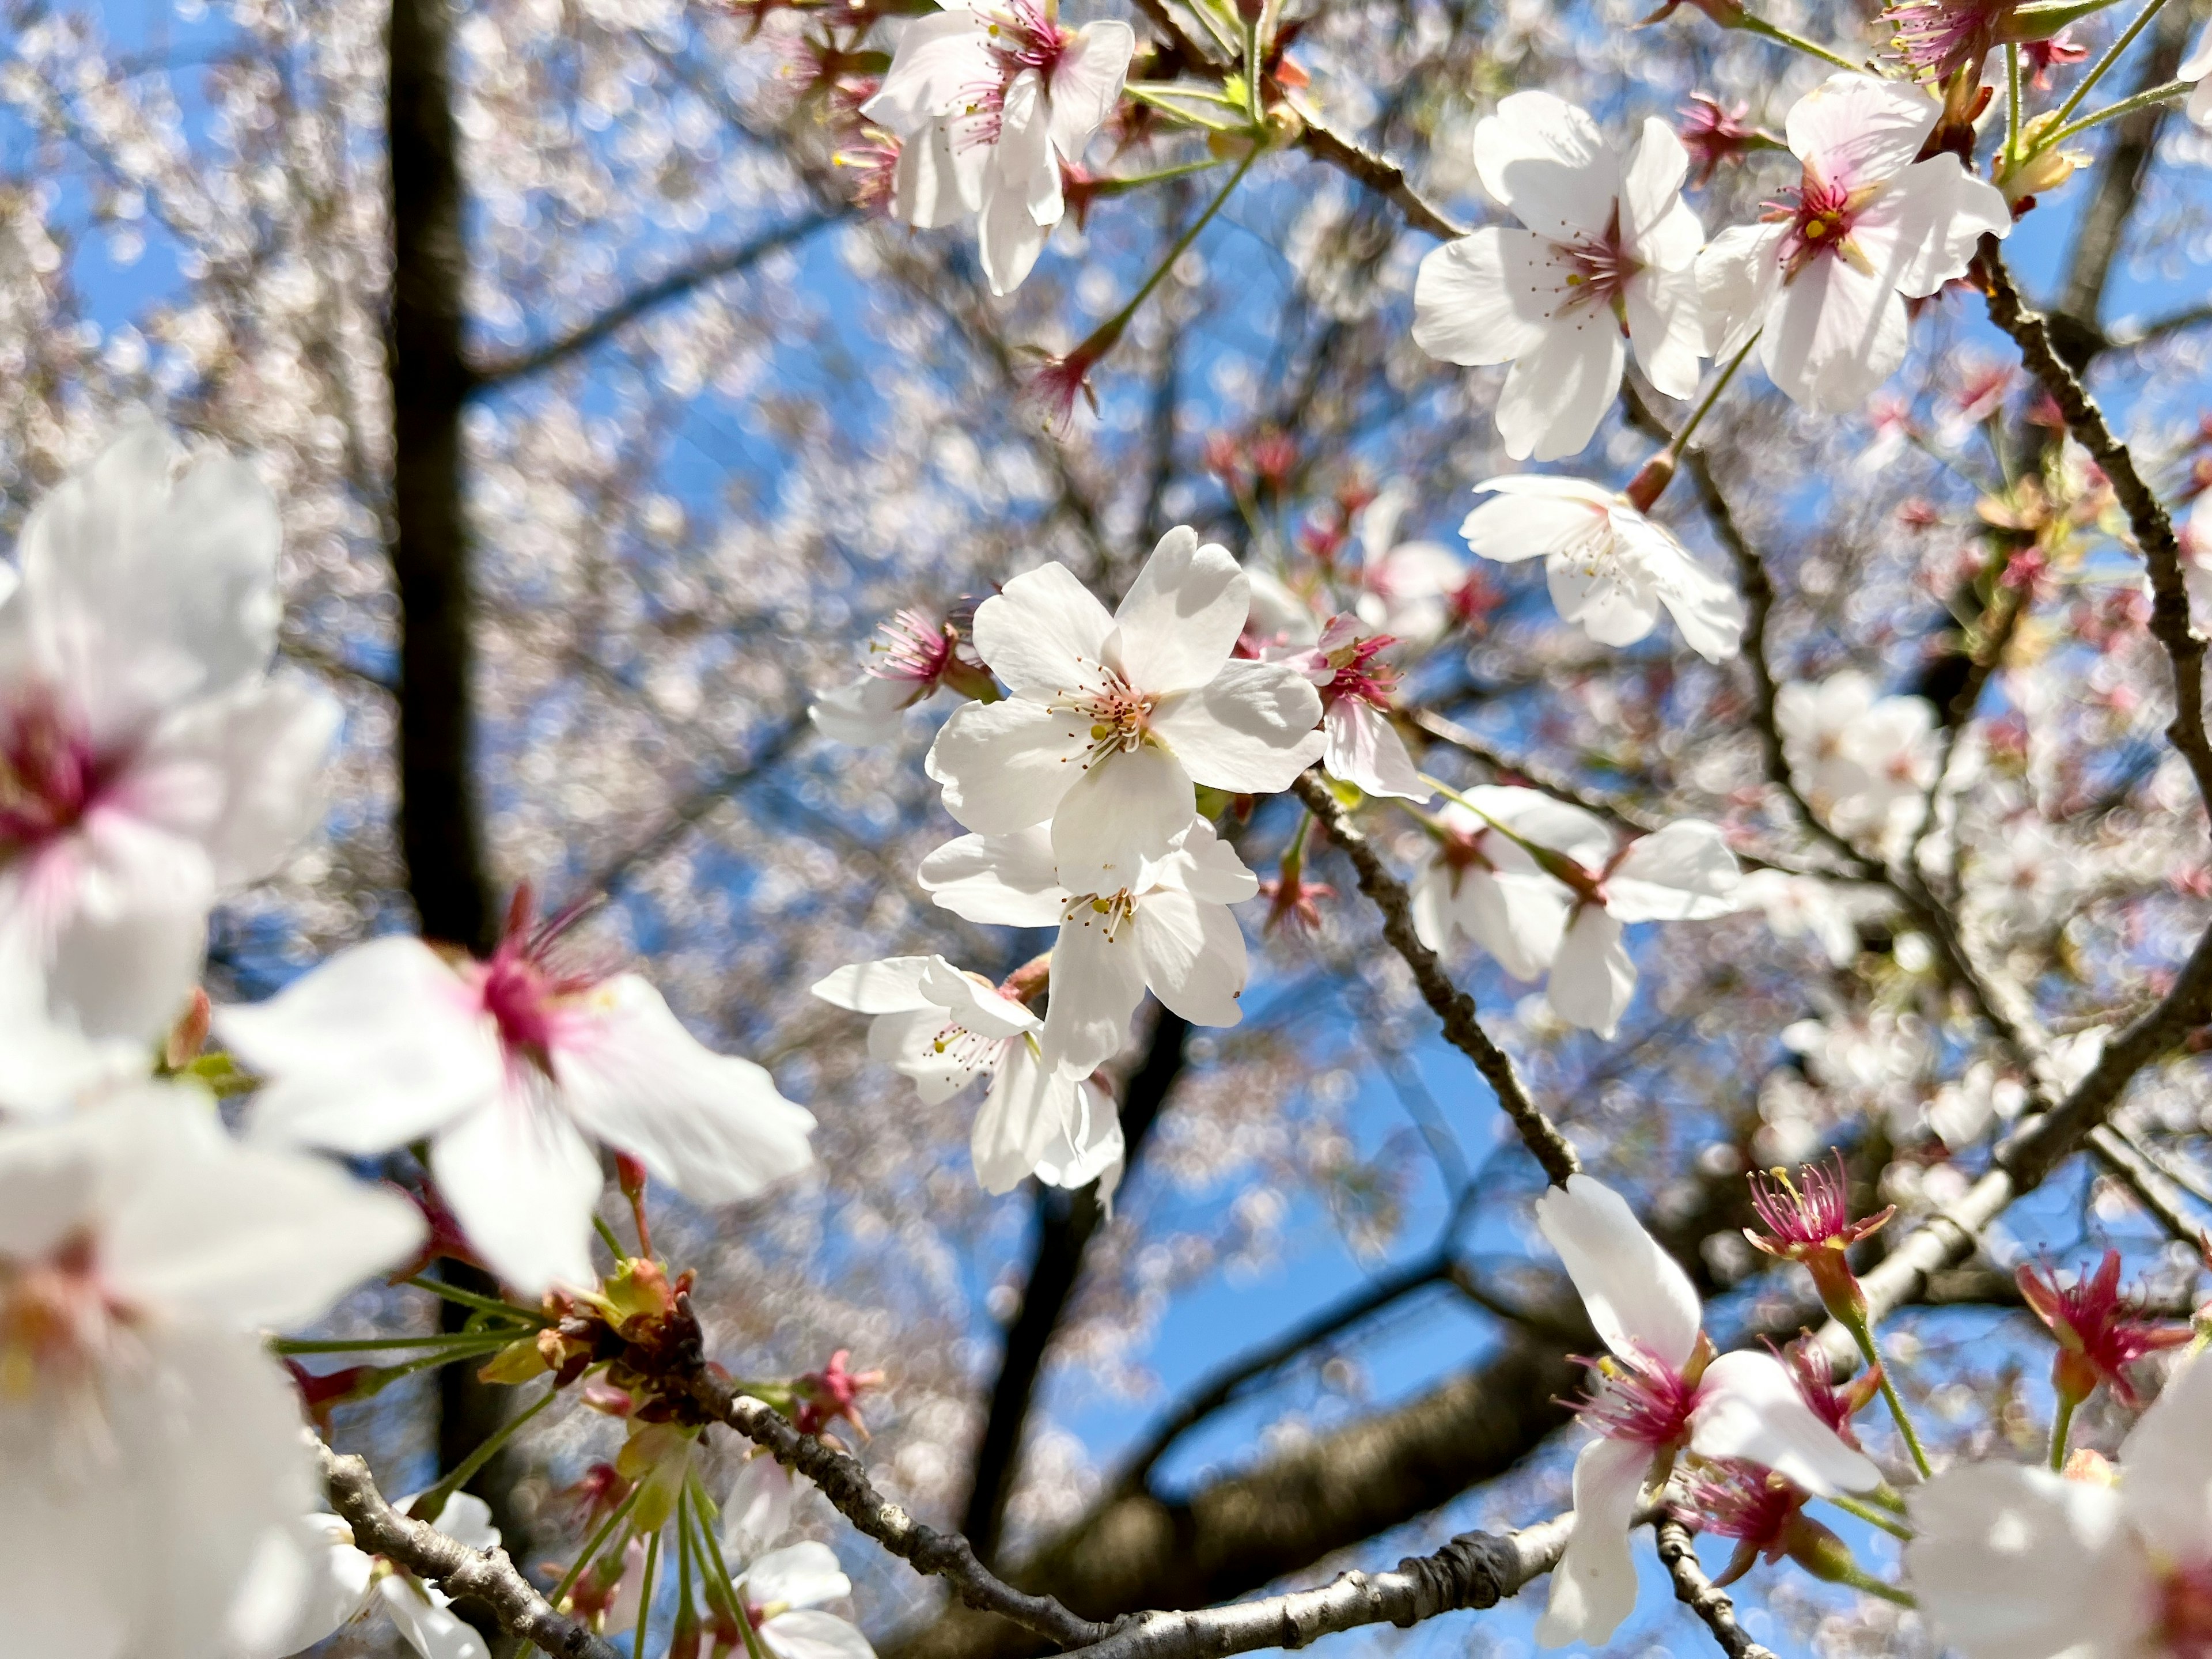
(2018, 1563)
(513, 1068)
(1825, 278)
(1610, 568)
(148, 765)
(910, 658)
(1363, 747)
(943, 1028)
(1170, 932)
(1114, 718)
(1477, 882)
(1610, 251)
(1663, 1391)
(988, 98)
(152, 1461)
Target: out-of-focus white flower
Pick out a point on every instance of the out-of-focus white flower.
(1610, 568)
(1477, 882)
(512, 1068)
(1610, 250)
(1799, 906)
(1280, 616)
(1825, 279)
(782, 1593)
(152, 1464)
(1864, 762)
(910, 658)
(1406, 589)
(348, 1584)
(1364, 748)
(148, 764)
(2015, 1563)
(1963, 1110)
(1664, 1392)
(943, 1028)
(2196, 67)
(1170, 932)
(1114, 718)
(988, 98)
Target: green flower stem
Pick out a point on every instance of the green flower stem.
(2013, 112)
(478, 1338)
(435, 1498)
(1114, 325)
(1864, 1334)
(2062, 1429)
(1760, 26)
(1680, 441)
(1252, 71)
(645, 1595)
(481, 1303)
(1859, 1579)
(591, 1550)
(2103, 65)
(607, 1238)
(683, 1554)
(1161, 100)
(1872, 1514)
(2158, 94)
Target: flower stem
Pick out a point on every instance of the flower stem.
(478, 1338)
(1759, 26)
(436, 1496)
(2062, 1429)
(607, 1238)
(1161, 100)
(1112, 327)
(1863, 1333)
(2013, 112)
(1859, 1579)
(599, 1538)
(645, 1595)
(2103, 65)
(470, 1299)
(682, 1554)
(2158, 94)
(1680, 441)
(1872, 1514)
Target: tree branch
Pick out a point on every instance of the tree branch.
(1452, 1005)
(708, 268)
(1678, 1551)
(485, 1576)
(1380, 174)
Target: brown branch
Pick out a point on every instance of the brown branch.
(1679, 1554)
(1380, 174)
(485, 1576)
(1451, 1004)
(2147, 516)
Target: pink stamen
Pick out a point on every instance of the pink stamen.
(1022, 37)
(1819, 215)
(50, 774)
(1639, 1399)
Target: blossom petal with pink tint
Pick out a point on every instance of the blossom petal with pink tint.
(1922, 231)
(1638, 1296)
(1086, 83)
(2167, 1456)
(1683, 872)
(1833, 336)
(1364, 749)
(1748, 1406)
(1021, 198)
(1859, 131)
(1545, 160)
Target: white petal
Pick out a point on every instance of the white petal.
(1518, 918)
(908, 1042)
(1021, 189)
(2168, 1459)
(522, 1183)
(711, 1126)
(1086, 83)
(1555, 396)
(1005, 881)
(891, 986)
(1604, 589)
(429, 1625)
(1594, 1586)
(863, 712)
(1125, 811)
(306, 1580)
(465, 1518)
(758, 1510)
(937, 60)
(381, 1045)
(1088, 1147)
(1024, 1112)
(2015, 1563)
(976, 1004)
(1651, 185)
(1592, 977)
(808, 1634)
(1206, 867)
(1192, 954)
(115, 919)
(1544, 158)
(1709, 611)
(1534, 816)
(1044, 633)
(1667, 326)
(2199, 61)
(1364, 749)
(1637, 1295)
(804, 1575)
(1835, 335)
(1684, 872)
(1182, 615)
(1857, 130)
(1486, 298)
(1005, 765)
(1096, 984)
(1528, 521)
(1251, 731)
(1923, 230)
(1739, 275)
(1748, 1406)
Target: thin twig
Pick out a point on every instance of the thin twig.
(486, 1575)
(1678, 1551)
(1380, 174)
(1452, 1005)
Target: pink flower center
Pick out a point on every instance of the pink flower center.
(48, 774)
(1601, 266)
(2185, 1612)
(1359, 676)
(1641, 1399)
(55, 1315)
(1019, 35)
(913, 648)
(1819, 215)
(523, 987)
(1119, 717)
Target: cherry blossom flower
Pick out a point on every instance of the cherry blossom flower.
(1937, 39)
(1824, 279)
(911, 657)
(1363, 747)
(1801, 907)
(781, 1592)
(1663, 1391)
(2015, 1563)
(1610, 568)
(1808, 1221)
(1610, 249)
(1865, 763)
(147, 764)
(513, 1068)
(349, 1583)
(1714, 133)
(152, 1468)
(2102, 1332)
(1476, 881)
(1114, 718)
(1170, 931)
(1408, 590)
(943, 1028)
(988, 98)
